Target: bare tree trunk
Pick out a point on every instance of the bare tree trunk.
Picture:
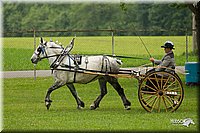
(195, 8)
(194, 34)
(198, 27)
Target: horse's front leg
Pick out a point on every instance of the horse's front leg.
(74, 93)
(55, 86)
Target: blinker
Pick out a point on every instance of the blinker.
(41, 49)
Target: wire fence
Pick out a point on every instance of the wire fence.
(114, 34)
(110, 41)
(100, 32)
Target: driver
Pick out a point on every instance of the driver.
(168, 59)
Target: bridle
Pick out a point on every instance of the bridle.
(41, 49)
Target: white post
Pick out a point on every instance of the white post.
(113, 43)
(186, 50)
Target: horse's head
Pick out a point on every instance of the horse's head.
(44, 50)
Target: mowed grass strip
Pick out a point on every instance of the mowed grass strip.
(24, 109)
(126, 45)
(18, 51)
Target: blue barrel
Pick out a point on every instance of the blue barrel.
(192, 72)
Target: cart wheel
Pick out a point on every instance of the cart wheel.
(161, 91)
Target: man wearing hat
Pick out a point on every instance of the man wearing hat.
(168, 59)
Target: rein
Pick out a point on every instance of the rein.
(49, 56)
(120, 56)
(129, 57)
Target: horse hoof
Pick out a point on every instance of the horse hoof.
(82, 104)
(79, 107)
(93, 107)
(48, 104)
(127, 108)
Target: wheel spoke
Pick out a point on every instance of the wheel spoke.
(159, 103)
(148, 92)
(164, 103)
(161, 86)
(149, 97)
(153, 84)
(151, 88)
(154, 103)
(148, 104)
(174, 90)
(169, 101)
(166, 82)
(157, 81)
(170, 85)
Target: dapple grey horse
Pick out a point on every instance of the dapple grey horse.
(52, 51)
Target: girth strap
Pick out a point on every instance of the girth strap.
(106, 65)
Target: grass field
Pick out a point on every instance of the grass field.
(18, 51)
(23, 98)
(24, 109)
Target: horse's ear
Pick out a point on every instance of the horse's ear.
(70, 46)
(41, 40)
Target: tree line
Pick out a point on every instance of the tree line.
(152, 19)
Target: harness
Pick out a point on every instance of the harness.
(107, 62)
(77, 59)
(64, 52)
(73, 59)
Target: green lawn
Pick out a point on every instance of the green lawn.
(24, 109)
(18, 51)
(23, 98)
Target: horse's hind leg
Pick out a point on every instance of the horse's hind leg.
(55, 86)
(74, 93)
(114, 82)
(103, 89)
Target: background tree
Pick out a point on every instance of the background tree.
(195, 8)
(154, 17)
